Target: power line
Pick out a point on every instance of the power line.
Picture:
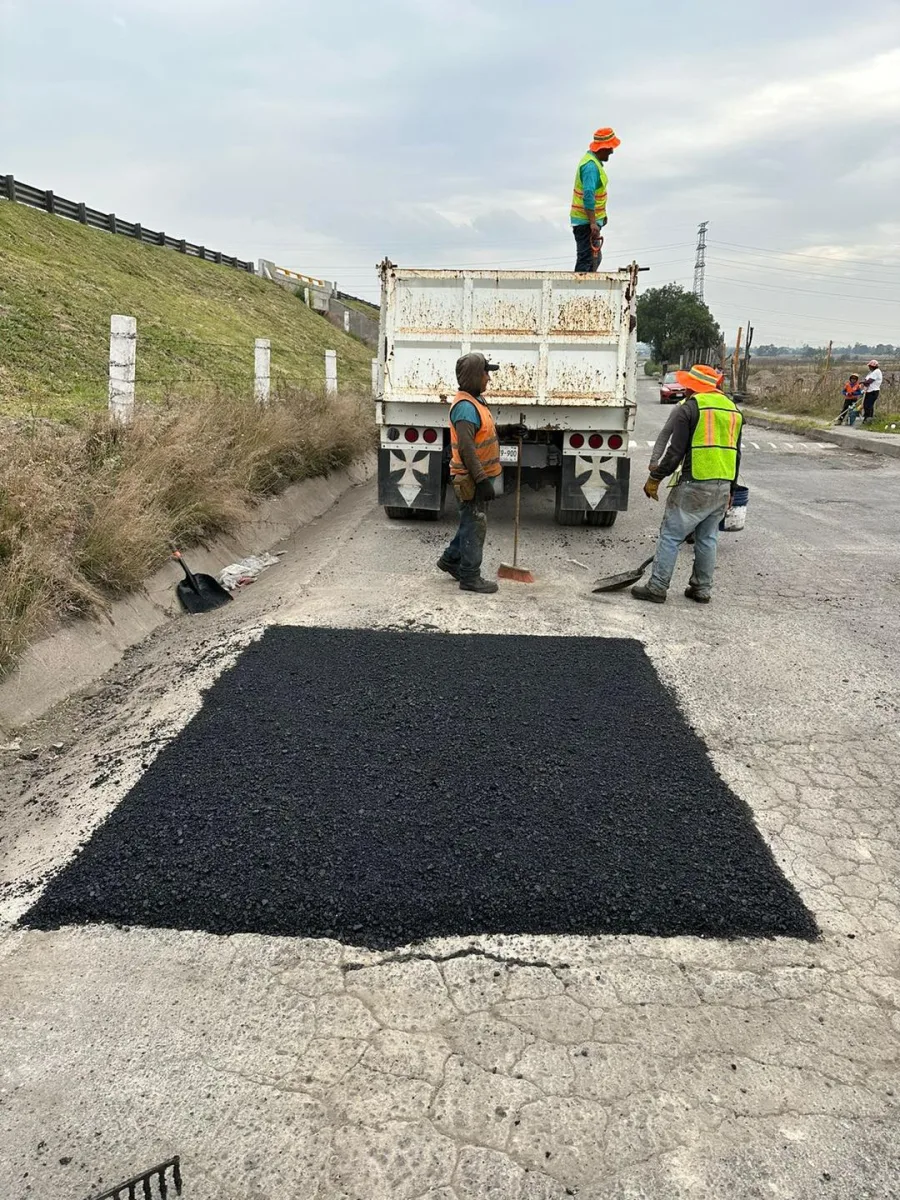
(820, 257)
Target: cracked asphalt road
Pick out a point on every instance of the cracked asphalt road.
(519, 1067)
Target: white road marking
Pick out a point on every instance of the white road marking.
(772, 444)
(650, 443)
(755, 445)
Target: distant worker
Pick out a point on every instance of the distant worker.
(872, 383)
(588, 212)
(474, 465)
(853, 392)
(701, 441)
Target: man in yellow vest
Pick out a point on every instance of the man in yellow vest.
(701, 443)
(588, 211)
(474, 465)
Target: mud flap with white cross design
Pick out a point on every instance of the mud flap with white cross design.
(410, 477)
(595, 484)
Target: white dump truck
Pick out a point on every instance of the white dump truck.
(565, 345)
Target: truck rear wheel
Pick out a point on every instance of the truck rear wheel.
(566, 516)
(395, 513)
(602, 520)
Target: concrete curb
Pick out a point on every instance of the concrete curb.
(77, 654)
(848, 439)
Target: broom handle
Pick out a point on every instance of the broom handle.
(518, 504)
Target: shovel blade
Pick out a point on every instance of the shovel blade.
(613, 583)
(205, 597)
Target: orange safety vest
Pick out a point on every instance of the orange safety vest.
(487, 444)
(853, 391)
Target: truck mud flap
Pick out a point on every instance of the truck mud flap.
(595, 484)
(410, 477)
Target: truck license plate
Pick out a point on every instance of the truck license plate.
(509, 454)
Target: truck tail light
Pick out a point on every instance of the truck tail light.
(430, 435)
(393, 433)
(595, 441)
(576, 440)
(411, 435)
(614, 441)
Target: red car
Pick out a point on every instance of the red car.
(670, 390)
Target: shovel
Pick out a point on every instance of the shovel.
(612, 583)
(199, 593)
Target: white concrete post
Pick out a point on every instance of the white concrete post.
(122, 357)
(346, 320)
(262, 358)
(374, 376)
(330, 372)
(306, 296)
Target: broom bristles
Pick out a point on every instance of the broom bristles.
(516, 574)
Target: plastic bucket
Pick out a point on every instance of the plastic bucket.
(736, 515)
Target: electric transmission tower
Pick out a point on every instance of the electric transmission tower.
(700, 264)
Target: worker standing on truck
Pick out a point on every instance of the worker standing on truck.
(701, 442)
(474, 465)
(588, 211)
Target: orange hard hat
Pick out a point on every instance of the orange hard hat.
(700, 378)
(604, 139)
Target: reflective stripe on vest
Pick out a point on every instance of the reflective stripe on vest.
(715, 440)
(487, 444)
(578, 212)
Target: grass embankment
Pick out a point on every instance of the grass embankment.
(89, 509)
(60, 282)
(806, 390)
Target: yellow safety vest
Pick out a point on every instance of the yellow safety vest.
(715, 441)
(578, 213)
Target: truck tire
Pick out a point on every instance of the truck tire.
(395, 513)
(566, 516)
(601, 520)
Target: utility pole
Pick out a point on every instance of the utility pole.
(700, 264)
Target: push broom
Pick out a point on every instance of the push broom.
(513, 571)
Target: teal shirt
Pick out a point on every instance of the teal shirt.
(465, 410)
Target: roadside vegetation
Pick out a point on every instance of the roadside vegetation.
(88, 509)
(808, 390)
(61, 281)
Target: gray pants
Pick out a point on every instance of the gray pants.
(697, 507)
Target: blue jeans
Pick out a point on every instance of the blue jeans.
(467, 549)
(693, 506)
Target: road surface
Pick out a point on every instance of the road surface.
(516, 1066)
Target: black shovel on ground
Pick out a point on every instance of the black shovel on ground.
(612, 583)
(199, 593)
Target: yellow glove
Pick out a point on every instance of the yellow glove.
(651, 488)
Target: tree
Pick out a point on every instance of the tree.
(675, 322)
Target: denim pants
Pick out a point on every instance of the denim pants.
(467, 548)
(585, 263)
(869, 402)
(693, 506)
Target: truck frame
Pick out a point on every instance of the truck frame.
(566, 347)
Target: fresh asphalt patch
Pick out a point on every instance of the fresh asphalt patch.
(381, 788)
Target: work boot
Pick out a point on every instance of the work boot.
(640, 592)
(693, 594)
(449, 567)
(479, 584)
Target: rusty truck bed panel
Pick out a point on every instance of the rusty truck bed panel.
(560, 338)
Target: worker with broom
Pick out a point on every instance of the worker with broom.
(701, 444)
(474, 465)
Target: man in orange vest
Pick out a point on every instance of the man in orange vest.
(588, 211)
(474, 466)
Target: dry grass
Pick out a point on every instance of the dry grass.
(806, 390)
(88, 511)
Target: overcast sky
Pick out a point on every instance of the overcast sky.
(446, 133)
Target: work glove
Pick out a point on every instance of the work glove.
(651, 488)
(484, 491)
(516, 431)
